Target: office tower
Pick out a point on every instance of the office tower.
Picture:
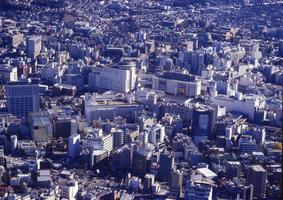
(22, 98)
(197, 190)
(70, 190)
(203, 123)
(141, 159)
(74, 127)
(121, 159)
(33, 46)
(2, 157)
(247, 144)
(233, 168)
(257, 177)
(148, 182)
(118, 137)
(13, 143)
(281, 48)
(156, 134)
(166, 162)
(196, 61)
(40, 126)
(248, 192)
(61, 122)
(74, 145)
(139, 164)
(176, 182)
(97, 158)
(44, 173)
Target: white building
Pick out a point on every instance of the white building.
(34, 46)
(245, 104)
(117, 77)
(74, 145)
(8, 73)
(70, 190)
(156, 133)
(97, 140)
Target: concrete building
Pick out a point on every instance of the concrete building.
(245, 104)
(156, 134)
(176, 182)
(257, 176)
(203, 122)
(41, 127)
(117, 77)
(281, 48)
(8, 74)
(177, 84)
(34, 46)
(108, 106)
(122, 158)
(74, 145)
(118, 137)
(166, 163)
(13, 39)
(70, 190)
(22, 98)
(97, 140)
(198, 191)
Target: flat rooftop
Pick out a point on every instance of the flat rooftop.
(258, 168)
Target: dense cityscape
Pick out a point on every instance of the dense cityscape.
(141, 99)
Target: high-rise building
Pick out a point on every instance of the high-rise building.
(44, 173)
(96, 139)
(69, 191)
(61, 122)
(13, 143)
(121, 159)
(40, 126)
(118, 137)
(22, 97)
(166, 163)
(257, 177)
(195, 60)
(141, 159)
(248, 192)
(74, 145)
(281, 48)
(203, 123)
(2, 156)
(156, 134)
(149, 181)
(176, 182)
(140, 164)
(33, 46)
